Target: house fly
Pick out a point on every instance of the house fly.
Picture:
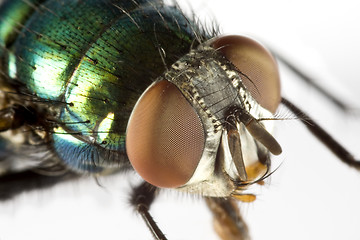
(102, 208)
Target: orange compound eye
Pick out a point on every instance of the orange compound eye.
(165, 137)
(257, 64)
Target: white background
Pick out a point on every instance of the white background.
(311, 196)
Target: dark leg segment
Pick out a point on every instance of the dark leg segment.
(142, 198)
(309, 80)
(13, 184)
(323, 136)
(228, 222)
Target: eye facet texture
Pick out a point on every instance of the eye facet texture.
(165, 137)
(261, 76)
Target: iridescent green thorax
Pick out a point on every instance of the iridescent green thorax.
(96, 57)
(12, 15)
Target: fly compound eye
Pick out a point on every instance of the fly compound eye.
(165, 137)
(261, 76)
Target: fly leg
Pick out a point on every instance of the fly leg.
(13, 184)
(142, 198)
(333, 145)
(228, 222)
(309, 80)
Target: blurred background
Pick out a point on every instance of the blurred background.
(311, 196)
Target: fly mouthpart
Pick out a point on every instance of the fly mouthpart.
(259, 132)
(244, 197)
(234, 145)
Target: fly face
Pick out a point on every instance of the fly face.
(192, 120)
(185, 218)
